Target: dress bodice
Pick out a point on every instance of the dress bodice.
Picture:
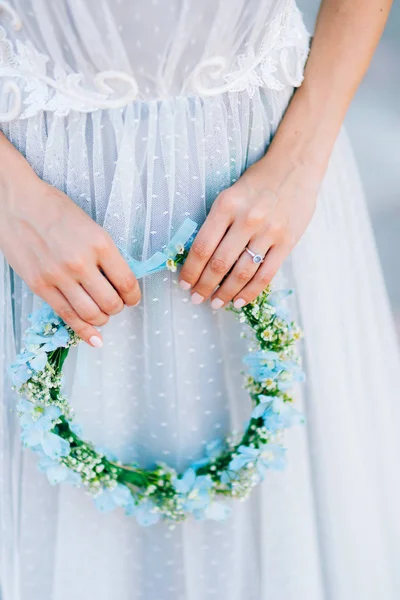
(64, 55)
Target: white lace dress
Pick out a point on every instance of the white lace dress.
(142, 112)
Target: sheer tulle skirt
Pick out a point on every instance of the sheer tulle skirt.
(168, 379)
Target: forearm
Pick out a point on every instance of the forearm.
(60, 252)
(346, 35)
(13, 168)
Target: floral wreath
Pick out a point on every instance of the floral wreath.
(232, 467)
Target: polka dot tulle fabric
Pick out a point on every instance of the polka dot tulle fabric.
(142, 112)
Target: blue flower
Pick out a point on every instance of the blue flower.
(245, 456)
(276, 413)
(268, 365)
(47, 332)
(37, 421)
(25, 365)
(37, 415)
(194, 490)
(273, 421)
(275, 299)
(120, 495)
(47, 341)
(264, 364)
(289, 414)
(264, 404)
(213, 450)
(42, 318)
(228, 476)
(146, 514)
(291, 374)
(51, 444)
(57, 472)
(270, 456)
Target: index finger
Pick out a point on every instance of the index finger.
(118, 273)
(203, 247)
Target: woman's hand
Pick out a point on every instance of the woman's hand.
(270, 206)
(62, 255)
(265, 211)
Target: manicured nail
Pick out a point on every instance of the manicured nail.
(185, 285)
(96, 341)
(239, 303)
(197, 298)
(217, 303)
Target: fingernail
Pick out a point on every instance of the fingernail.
(96, 341)
(185, 285)
(217, 303)
(239, 303)
(137, 303)
(197, 298)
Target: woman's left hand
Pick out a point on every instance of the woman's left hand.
(266, 210)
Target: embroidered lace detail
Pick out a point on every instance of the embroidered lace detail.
(32, 83)
(26, 69)
(286, 33)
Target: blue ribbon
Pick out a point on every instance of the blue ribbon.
(158, 261)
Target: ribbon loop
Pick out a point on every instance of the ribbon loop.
(158, 261)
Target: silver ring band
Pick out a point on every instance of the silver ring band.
(257, 258)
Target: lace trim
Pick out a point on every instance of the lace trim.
(59, 93)
(269, 68)
(32, 86)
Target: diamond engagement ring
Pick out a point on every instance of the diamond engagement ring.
(257, 258)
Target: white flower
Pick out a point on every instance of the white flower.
(171, 265)
(255, 311)
(267, 334)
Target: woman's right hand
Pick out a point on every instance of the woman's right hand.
(60, 252)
